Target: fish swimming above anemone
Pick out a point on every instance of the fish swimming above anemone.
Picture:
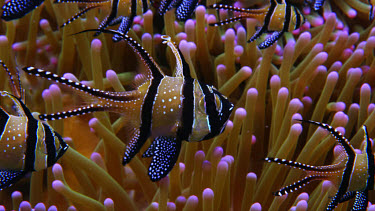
(167, 109)
(352, 172)
(184, 8)
(26, 143)
(276, 17)
(115, 16)
(15, 9)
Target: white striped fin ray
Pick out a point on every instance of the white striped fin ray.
(16, 88)
(227, 21)
(237, 9)
(71, 113)
(303, 166)
(297, 185)
(77, 15)
(245, 13)
(119, 96)
(335, 133)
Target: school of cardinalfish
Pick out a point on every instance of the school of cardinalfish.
(167, 109)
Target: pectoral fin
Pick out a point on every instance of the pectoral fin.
(164, 152)
(9, 177)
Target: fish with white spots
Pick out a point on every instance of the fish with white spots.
(26, 143)
(167, 109)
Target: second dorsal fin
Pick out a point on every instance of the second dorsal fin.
(182, 69)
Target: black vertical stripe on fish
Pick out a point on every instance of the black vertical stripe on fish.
(147, 109)
(144, 5)
(211, 111)
(185, 66)
(266, 23)
(295, 186)
(187, 118)
(15, 9)
(146, 122)
(114, 9)
(49, 140)
(269, 14)
(298, 18)
(31, 140)
(288, 16)
(63, 146)
(4, 118)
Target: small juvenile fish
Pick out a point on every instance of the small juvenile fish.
(15, 9)
(26, 143)
(353, 173)
(278, 17)
(168, 109)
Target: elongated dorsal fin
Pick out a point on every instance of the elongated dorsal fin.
(145, 56)
(21, 108)
(16, 87)
(182, 67)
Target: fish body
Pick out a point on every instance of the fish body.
(278, 17)
(15, 9)
(26, 143)
(164, 108)
(352, 172)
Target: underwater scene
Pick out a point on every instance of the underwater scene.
(187, 105)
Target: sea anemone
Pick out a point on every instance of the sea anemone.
(324, 72)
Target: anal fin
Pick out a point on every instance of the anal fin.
(164, 152)
(9, 177)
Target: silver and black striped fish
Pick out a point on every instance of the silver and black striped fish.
(353, 173)
(26, 143)
(278, 17)
(15, 9)
(168, 109)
